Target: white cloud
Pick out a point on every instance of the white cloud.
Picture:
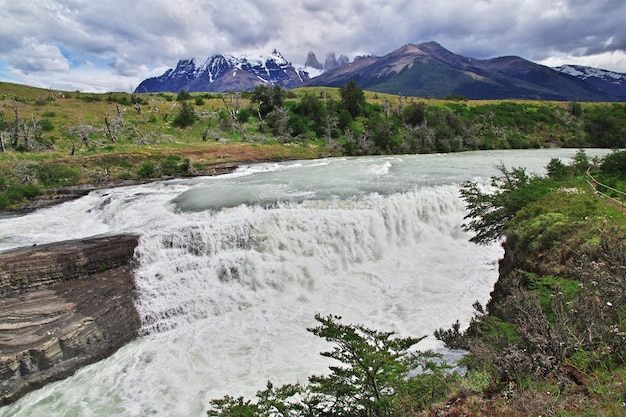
(128, 40)
(612, 61)
(33, 57)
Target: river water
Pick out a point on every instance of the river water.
(231, 270)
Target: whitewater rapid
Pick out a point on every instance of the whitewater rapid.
(231, 270)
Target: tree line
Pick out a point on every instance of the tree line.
(348, 123)
(353, 125)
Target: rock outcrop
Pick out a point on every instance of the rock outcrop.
(62, 306)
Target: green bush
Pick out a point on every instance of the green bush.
(547, 286)
(46, 125)
(490, 213)
(16, 194)
(186, 116)
(556, 169)
(614, 164)
(57, 175)
(147, 170)
(243, 115)
(174, 164)
(91, 98)
(605, 125)
(183, 95)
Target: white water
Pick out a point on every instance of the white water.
(232, 269)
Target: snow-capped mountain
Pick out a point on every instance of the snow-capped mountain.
(222, 73)
(613, 83)
(421, 70)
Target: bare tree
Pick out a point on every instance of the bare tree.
(15, 106)
(419, 138)
(233, 107)
(110, 129)
(26, 129)
(54, 94)
(111, 126)
(83, 131)
(331, 123)
(168, 112)
(3, 134)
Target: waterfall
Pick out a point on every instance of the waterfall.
(231, 270)
(247, 256)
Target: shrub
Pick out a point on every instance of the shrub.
(557, 169)
(614, 164)
(57, 175)
(185, 117)
(174, 164)
(490, 213)
(147, 170)
(16, 194)
(183, 95)
(372, 380)
(414, 113)
(243, 115)
(46, 125)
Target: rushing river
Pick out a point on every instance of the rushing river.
(231, 270)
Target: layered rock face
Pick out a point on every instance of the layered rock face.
(62, 306)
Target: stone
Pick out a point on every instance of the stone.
(62, 306)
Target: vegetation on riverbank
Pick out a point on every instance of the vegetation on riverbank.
(51, 139)
(552, 338)
(551, 341)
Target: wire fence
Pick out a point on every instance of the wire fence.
(595, 184)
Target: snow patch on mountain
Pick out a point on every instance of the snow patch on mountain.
(225, 72)
(583, 72)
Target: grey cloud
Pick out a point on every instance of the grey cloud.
(139, 35)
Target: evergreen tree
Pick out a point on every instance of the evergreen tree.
(186, 116)
(268, 99)
(352, 99)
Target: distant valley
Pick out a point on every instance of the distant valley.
(421, 70)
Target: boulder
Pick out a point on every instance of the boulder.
(62, 306)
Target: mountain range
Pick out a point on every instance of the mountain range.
(223, 73)
(422, 70)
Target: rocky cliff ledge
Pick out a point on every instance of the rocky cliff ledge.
(62, 306)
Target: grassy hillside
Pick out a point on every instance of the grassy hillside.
(52, 139)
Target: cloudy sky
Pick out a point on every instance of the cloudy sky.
(112, 45)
